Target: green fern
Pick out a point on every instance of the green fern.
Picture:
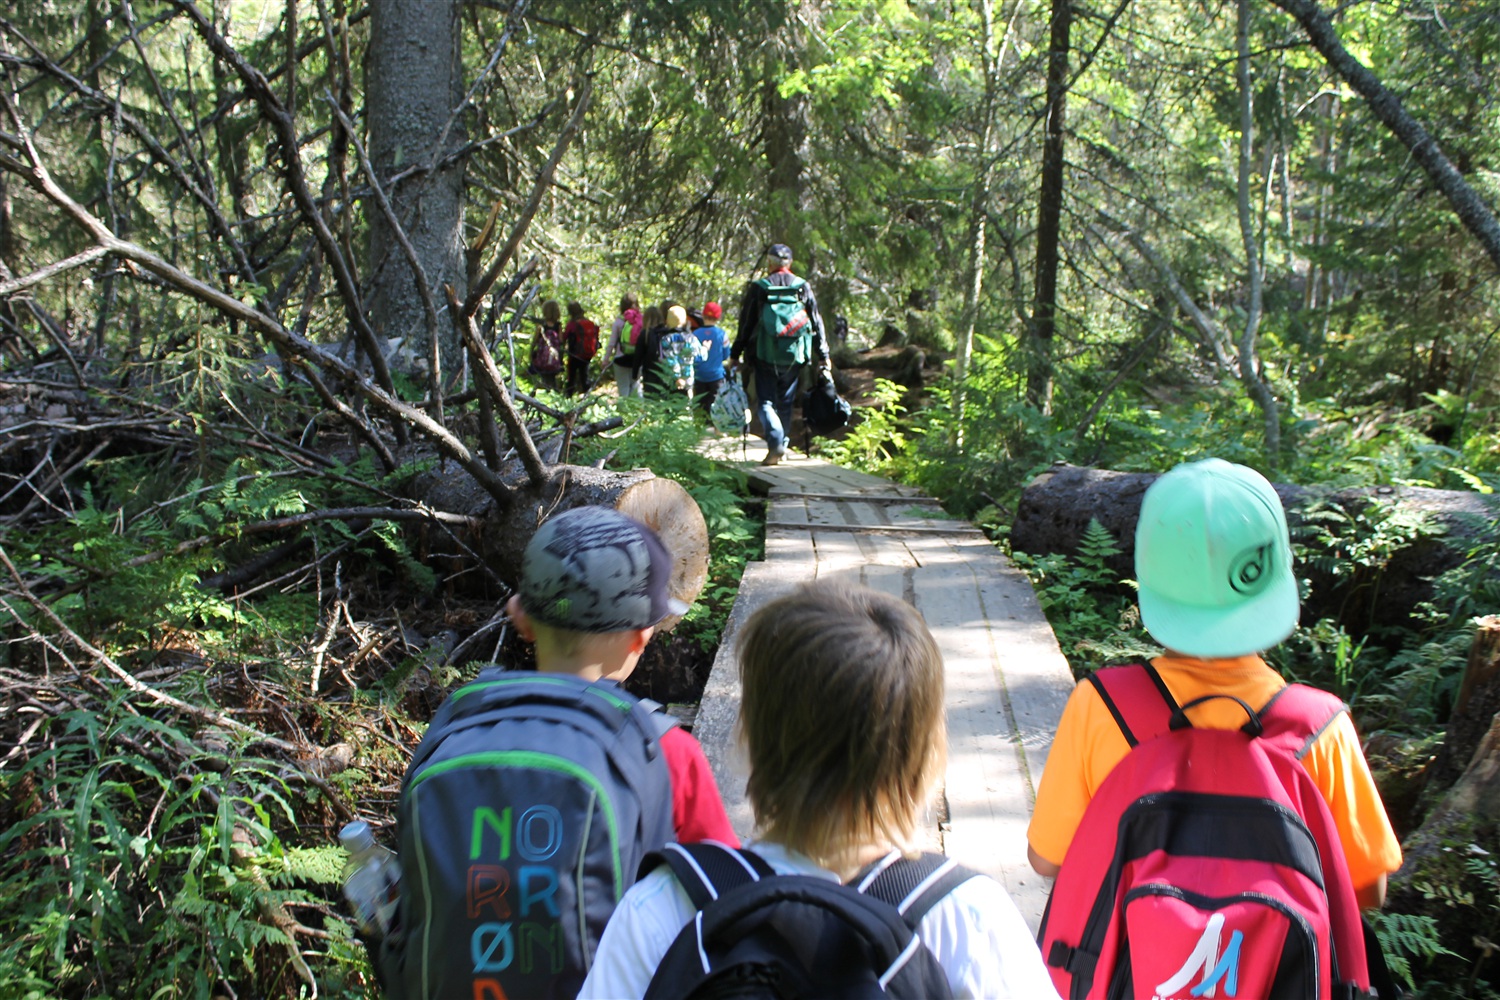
(1407, 936)
(1095, 549)
(319, 865)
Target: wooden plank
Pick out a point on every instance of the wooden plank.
(837, 551)
(916, 518)
(787, 510)
(1036, 675)
(883, 549)
(792, 547)
(821, 512)
(928, 549)
(909, 498)
(956, 528)
(988, 790)
(891, 580)
(719, 709)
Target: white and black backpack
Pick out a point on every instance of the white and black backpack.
(760, 934)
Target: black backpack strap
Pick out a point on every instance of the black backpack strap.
(1127, 691)
(709, 869)
(662, 721)
(1381, 981)
(912, 886)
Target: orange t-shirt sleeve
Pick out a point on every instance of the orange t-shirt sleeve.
(1086, 748)
(1338, 767)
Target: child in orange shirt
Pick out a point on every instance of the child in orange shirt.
(1213, 562)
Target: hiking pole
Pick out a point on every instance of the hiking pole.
(745, 418)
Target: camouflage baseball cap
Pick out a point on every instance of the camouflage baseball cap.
(593, 569)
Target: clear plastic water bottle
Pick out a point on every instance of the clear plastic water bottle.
(372, 879)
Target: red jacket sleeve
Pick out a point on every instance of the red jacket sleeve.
(697, 810)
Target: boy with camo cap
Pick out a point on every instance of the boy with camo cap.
(532, 799)
(593, 589)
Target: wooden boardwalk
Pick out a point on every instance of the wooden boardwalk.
(1006, 678)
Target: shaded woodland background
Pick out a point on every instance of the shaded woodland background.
(267, 448)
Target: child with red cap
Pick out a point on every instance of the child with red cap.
(712, 352)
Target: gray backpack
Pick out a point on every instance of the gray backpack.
(524, 816)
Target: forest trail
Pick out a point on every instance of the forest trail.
(1006, 678)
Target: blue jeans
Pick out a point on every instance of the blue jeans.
(775, 389)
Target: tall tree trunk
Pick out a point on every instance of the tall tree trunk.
(979, 201)
(1250, 377)
(1471, 209)
(1049, 212)
(786, 139)
(413, 78)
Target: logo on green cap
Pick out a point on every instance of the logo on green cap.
(1251, 570)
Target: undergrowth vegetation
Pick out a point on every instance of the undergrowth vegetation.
(180, 755)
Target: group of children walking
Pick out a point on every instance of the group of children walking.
(665, 348)
(562, 838)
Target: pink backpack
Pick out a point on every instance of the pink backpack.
(1207, 865)
(546, 352)
(635, 322)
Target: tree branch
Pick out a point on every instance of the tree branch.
(285, 128)
(488, 378)
(37, 177)
(1471, 209)
(538, 190)
(40, 275)
(421, 512)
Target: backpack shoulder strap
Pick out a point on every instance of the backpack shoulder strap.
(912, 886)
(1138, 699)
(1297, 715)
(709, 869)
(662, 721)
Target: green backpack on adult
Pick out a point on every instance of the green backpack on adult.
(785, 329)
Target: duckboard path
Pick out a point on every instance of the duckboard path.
(1007, 680)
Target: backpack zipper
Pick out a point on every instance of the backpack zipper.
(613, 699)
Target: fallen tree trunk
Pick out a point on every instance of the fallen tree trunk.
(1056, 508)
(659, 503)
(1439, 859)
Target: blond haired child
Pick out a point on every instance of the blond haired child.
(842, 723)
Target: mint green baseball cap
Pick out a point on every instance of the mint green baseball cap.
(1214, 561)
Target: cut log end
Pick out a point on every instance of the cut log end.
(661, 504)
(667, 509)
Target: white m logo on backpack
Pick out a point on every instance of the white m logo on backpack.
(1205, 955)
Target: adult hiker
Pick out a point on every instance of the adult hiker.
(780, 331)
